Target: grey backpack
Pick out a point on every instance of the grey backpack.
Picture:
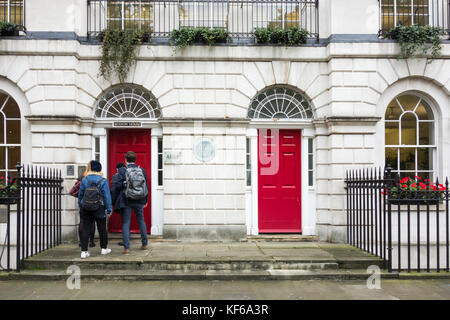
(136, 186)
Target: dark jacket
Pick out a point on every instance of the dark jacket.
(104, 191)
(118, 194)
(121, 185)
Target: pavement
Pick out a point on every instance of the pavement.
(226, 290)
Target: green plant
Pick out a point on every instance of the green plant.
(8, 27)
(186, 36)
(290, 36)
(297, 36)
(416, 40)
(212, 36)
(119, 51)
(262, 35)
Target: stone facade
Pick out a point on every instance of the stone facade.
(206, 92)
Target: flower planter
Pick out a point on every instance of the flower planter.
(10, 198)
(10, 33)
(416, 198)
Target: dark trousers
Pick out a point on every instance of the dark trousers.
(91, 235)
(88, 220)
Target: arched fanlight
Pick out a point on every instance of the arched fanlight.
(280, 103)
(127, 102)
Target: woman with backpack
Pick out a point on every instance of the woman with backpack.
(74, 192)
(94, 200)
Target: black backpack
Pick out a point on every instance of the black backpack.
(92, 198)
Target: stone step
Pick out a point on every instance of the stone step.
(148, 275)
(282, 238)
(183, 265)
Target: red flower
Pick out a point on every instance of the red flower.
(414, 185)
(434, 188)
(442, 189)
(404, 186)
(422, 185)
(404, 180)
(418, 178)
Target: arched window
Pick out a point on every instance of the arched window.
(10, 135)
(409, 137)
(280, 103)
(127, 102)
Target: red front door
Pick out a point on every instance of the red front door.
(279, 190)
(139, 141)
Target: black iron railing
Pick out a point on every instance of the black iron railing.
(394, 218)
(434, 13)
(240, 18)
(37, 211)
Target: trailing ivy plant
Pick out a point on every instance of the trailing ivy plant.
(291, 36)
(119, 50)
(415, 40)
(186, 36)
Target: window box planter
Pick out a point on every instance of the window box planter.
(416, 198)
(9, 33)
(11, 197)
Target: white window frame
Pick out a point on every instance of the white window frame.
(432, 147)
(9, 10)
(123, 19)
(410, 13)
(195, 22)
(4, 143)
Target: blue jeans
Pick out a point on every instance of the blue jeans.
(126, 219)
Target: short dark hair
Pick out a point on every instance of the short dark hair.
(120, 165)
(130, 156)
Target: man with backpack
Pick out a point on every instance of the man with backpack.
(94, 200)
(133, 180)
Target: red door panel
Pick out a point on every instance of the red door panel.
(279, 193)
(120, 142)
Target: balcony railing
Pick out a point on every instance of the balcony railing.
(240, 18)
(12, 11)
(434, 13)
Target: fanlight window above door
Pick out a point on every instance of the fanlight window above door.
(127, 102)
(280, 103)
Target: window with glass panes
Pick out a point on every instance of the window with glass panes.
(212, 14)
(160, 162)
(12, 11)
(403, 12)
(310, 162)
(130, 15)
(248, 169)
(10, 135)
(410, 137)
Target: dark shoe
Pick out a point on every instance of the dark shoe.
(92, 244)
(144, 247)
(120, 244)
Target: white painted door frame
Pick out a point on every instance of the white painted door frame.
(308, 210)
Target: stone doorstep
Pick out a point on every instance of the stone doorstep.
(198, 275)
(186, 265)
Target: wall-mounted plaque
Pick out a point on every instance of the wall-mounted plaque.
(204, 149)
(127, 124)
(172, 157)
(70, 170)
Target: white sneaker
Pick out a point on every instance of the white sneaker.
(106, 251)
(84, 254)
